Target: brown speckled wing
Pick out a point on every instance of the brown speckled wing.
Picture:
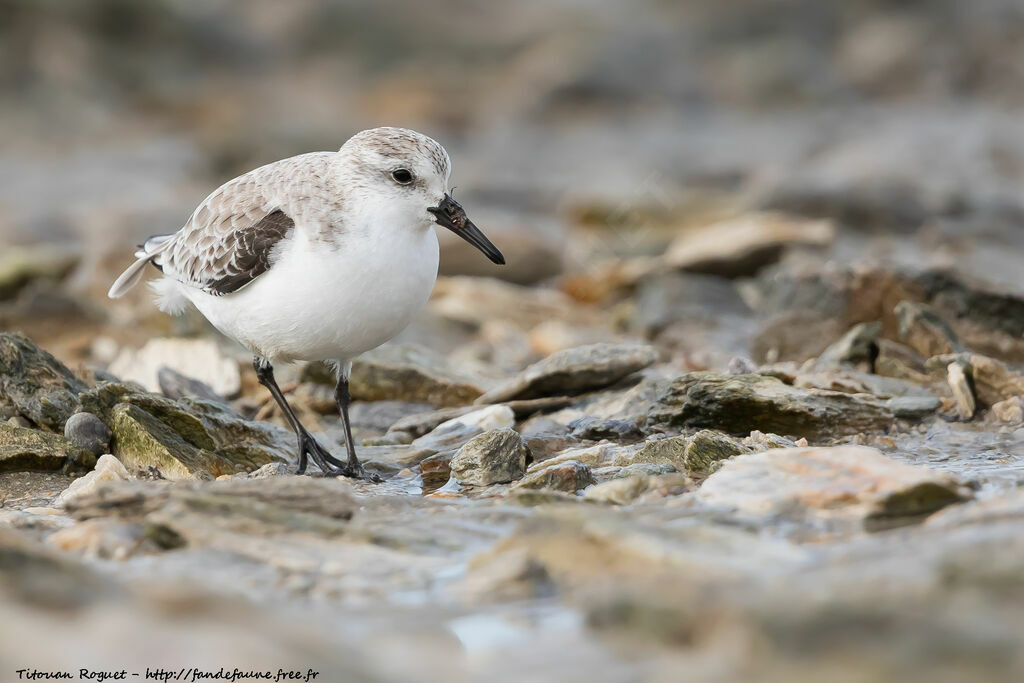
(229, 240)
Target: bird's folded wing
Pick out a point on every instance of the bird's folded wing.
(229, 240)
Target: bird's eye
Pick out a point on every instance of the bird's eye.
(402, 176)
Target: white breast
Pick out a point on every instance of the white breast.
(325, 301)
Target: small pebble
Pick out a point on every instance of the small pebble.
(89, 432)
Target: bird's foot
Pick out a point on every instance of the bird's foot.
(328, 464)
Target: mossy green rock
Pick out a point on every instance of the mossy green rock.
(41, 387)
(707, 448)
(693, 453)
(185, 438)
(24, 450)
(738, 404)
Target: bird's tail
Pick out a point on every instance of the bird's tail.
(146, 252)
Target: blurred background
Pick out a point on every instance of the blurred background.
(896, 117)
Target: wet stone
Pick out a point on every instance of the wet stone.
(494, 457)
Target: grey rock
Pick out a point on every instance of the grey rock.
(88, 431)
(410, 373)
(419, 424)
(742, 403)
(923, 329)
(569, 476)
(575, 371)
(913, 407)
(38, 385)
(381, 415)
(173, 384)
(494, 457)
(857, 348)
(596, 428)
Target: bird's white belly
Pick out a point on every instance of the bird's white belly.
(318, 302)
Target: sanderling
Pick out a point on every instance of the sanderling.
(322, 256)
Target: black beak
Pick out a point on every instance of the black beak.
(450, 214)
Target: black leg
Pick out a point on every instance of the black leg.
(341, 395)
(308, 446)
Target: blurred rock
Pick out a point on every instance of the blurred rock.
(923, 330)
(173, 384)
(495, 457)
(529, 257)
(474, 301)
(595, 428)
(184, 439)
(1010, 410)
(574, 371)
(899, 361)
(410, 373)
(199, 359)
(20, 266)
(88, 431)
(621, 491)
(963, 393)
(104, 539)
(741, 403)
(453, 434)
(843, 485)
(108, 468)
(857, 348)
(707, 448)
(665, 299)
(500, 576)
(990, 380)
(233, 514)
(38, 385)
(741, 246)
(24, 450)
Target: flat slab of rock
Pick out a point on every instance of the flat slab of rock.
(41, 387)
(742, 403)
(411, 373)
(185, 439)
(230, 510)
(23, 450)
(842, 483)
(575, 371)
(741, 246)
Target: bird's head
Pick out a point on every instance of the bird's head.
(403, 168)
